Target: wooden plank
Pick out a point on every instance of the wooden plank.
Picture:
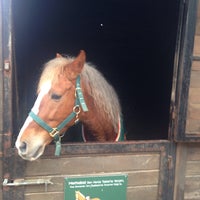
(194, 152)
(196, 51)
(193, 168)
(194, 95)
(192, 196)
(193, 160)
(181, 160)
(194, 111)
(192, 126)
(195, 65)
(143, 178)
(192, 188)
(195, 80)
(192, 184)
(93, 164)
(143, 193)
(49, 196)
(195, 156)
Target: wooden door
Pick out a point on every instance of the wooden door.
(187, 104)
(149, 166)
(187, 83)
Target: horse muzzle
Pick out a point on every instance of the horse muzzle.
(28, 152)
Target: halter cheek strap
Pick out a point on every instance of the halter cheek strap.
(55, 132)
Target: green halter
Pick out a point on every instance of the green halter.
(54, 132)
(79, 102)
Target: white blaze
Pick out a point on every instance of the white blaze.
(44, 90)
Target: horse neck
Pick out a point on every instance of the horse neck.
(96, 126)
(98, 129)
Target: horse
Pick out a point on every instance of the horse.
(70, 90)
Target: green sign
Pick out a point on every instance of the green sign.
(101, 187)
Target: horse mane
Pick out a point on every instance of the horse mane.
(105, 97)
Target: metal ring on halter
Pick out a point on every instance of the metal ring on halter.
(76, 109)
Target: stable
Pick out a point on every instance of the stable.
(149, 52)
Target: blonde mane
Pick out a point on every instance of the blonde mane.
(105, 97)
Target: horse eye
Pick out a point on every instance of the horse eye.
(56, 96)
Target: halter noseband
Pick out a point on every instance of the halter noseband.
(54, 132)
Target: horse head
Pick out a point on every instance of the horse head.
(67, 89)
(55, 100)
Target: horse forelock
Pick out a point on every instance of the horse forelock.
(105, 97)
(52, 69)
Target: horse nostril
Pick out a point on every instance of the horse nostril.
(22, 147)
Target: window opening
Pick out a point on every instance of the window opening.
(131, 43)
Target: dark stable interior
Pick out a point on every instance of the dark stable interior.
(131, 42)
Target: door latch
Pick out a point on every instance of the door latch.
(23, 182)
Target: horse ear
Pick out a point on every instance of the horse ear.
(75, 68)
(58, 55)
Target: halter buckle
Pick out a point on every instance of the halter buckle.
(76, 109)
(54, 132)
